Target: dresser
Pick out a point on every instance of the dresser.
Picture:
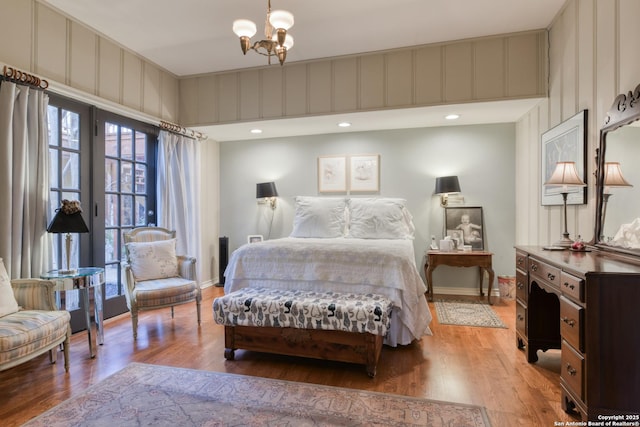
(587, 305)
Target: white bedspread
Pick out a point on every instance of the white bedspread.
(385, 267)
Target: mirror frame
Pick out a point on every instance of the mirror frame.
(624, 110)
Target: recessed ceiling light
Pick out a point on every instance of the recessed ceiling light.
(256, 130)
(452, 116)
(344, 124)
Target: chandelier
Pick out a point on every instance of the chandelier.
(276, 43)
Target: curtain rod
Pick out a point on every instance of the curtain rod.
(20, 76)
(11, 73)
(172, 127)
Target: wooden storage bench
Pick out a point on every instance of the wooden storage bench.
(331, 326)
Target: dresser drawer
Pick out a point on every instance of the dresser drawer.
(572, 368)
(521, 318)
(572, 286)
(571, 323)
(548, 273)
(522, 261)
(522, 286)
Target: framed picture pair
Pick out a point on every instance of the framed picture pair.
(361, 175)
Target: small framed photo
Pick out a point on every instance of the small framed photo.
(332, 174)
(364, 173)
(469, 221)
(456, 236)
(254, 238)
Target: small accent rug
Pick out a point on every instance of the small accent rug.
(467, 313)
(151, 395)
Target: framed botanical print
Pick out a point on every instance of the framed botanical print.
(364, 173)
(332, 174)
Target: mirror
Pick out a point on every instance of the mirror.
(618, 177)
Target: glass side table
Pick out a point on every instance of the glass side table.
(82, 280)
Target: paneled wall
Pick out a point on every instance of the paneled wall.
(491, 68)
(38, 39)
(593, 57)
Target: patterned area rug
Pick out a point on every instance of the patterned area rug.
(467, 313)
(142, 394)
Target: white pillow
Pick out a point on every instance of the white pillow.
(380, 218)
(153, 260)
(8, 303)
(319, 217)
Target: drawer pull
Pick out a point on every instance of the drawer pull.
(568, 321)
(520, 261)
(570, 370)
(551, 276)
(534, 267)
(520, 317)
(520, 285)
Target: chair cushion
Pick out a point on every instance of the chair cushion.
(170, 291)
(153, 260)
(28, 331)
(8, 303)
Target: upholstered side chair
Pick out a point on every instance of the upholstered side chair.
(30, 323)
(155, 276)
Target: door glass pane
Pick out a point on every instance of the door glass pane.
(126, 143)
(127, 211)
(111, 286)
(111, 175)
(141, 147)
(111, 139)
(70, 170)
(126, 177)
(111, 210)
(54, 128)
(111, 245)
(70, 123)
(141, 178)
(141, 211)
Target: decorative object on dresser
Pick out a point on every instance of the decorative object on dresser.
(566, 142)
(565, 176)
(446, 185)
(612, 178)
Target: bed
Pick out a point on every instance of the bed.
(357, 245)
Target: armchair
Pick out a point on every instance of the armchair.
(155, 276)
(30, 323)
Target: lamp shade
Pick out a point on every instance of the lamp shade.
(565, 175)
(67, 223)
(266, 189)
(447, 184)
(244, 28)
(613, 175)
(281, 19)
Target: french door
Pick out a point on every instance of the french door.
(107, 162)
(124, 195)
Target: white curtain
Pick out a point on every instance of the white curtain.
(24, 180)
(179, 191)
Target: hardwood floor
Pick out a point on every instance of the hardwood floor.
(480, 366)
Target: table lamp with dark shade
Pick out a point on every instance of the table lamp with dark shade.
(267, 190)
(446, 185)
(68, 219)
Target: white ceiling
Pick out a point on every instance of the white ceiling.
(190, 37)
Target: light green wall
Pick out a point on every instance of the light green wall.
(410, 159)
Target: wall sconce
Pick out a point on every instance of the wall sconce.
(446, 185)
(268, 192)
(565, 175)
